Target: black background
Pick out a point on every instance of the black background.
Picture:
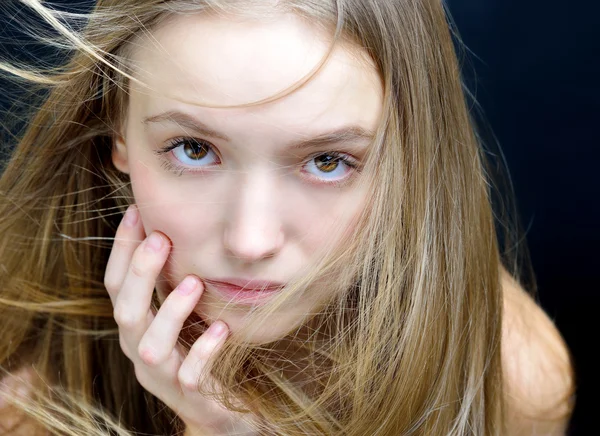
(537, 71)
(534, 68)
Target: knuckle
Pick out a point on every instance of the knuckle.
(111, 284)
(137, 269)
(124, 318)
(120, 244)
(144, 263)
(148, 355)
(188, 380)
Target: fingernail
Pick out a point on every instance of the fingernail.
(131, 216)
(154, 242)
(187, 285)
(217, 328)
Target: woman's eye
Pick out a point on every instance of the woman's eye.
(193, 152)
(330, 166)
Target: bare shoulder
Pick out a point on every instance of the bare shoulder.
(12, 420)
(537, 366)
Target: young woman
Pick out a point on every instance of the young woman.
(305, 192)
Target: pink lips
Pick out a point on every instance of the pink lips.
(244, 291)
(248, 284)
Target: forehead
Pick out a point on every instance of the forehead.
(226, 61)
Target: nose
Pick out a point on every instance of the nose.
(254, 229)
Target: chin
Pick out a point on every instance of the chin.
(236, 320)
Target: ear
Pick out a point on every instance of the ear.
(119, 155)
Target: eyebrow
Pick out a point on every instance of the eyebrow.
(351, 133)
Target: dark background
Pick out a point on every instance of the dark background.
(537, 68)
(534, 68)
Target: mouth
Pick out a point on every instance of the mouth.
(244, 291)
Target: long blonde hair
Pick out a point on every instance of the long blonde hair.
(411, 346)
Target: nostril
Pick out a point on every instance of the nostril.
(252, 244)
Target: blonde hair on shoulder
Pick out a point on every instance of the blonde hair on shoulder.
(410, 345)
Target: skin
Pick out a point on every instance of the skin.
(265, 210)
(206, 222)
(260, 214)
(149, 340)
(262, 210)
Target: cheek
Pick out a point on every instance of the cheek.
(175, 209)
(159, 208)
(329, 221)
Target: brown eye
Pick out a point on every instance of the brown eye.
(194, 149)
(327, 163)
(331, 167)
(193, 153)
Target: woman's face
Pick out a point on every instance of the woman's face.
(250, 193)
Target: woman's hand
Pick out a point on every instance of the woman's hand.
(149, 339)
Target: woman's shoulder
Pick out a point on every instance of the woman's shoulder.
(13, 385)
(537, 367)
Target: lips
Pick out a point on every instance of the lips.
(243, 291)
(247, 285)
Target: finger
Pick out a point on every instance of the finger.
(132, 307)
(129, 235)
(158, 343)
(207, 344)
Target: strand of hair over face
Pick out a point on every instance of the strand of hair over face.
(410, 343)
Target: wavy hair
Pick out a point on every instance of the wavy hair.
(410, 345)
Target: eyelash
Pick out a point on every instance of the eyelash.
(180, 170)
